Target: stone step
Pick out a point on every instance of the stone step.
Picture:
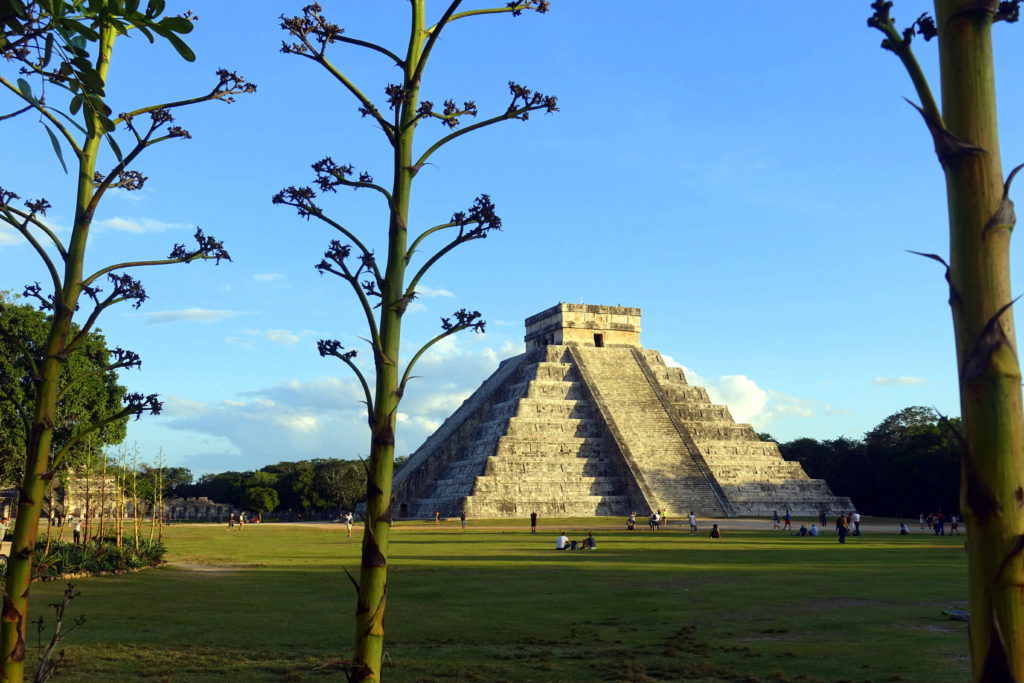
(564, 446)
(550, 389)
(696, 412)
(557, 409)
(522, 427)
(720, 431)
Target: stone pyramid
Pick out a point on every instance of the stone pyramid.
(587, 422)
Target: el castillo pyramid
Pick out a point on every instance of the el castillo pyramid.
(588, 422)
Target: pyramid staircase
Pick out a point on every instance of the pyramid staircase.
(576, 430)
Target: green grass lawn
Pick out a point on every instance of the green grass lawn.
(495, 603)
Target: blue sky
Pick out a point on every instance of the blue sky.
(746, 173)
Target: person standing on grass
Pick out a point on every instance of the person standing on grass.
(437, 518)
(347, 518)
(231, 521)
(462, 518)
(789, 522)
(78, 531)
(842, 528)
(775, 520)
(693, 523)
(241, 521)
(822, 518)
(954, 525)
(533, 522)
(856, 523)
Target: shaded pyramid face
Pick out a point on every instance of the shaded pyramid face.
(598, 428)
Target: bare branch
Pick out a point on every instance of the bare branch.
(332, 347)
(523, 102)
(464, 320)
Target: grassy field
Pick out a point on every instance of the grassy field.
(495, 603)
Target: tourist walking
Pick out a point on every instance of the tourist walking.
(533, 522)
(693, 523)
(822, 518)
(437, 518)
(775, 520)
(347, 518)
(789, 522)
(78, 531)
(462, 518)
(231, 521)
(856, 524)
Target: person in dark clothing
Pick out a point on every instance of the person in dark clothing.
(842, 528)
(533, 522)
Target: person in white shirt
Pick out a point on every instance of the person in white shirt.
(562, 543)
(856, 524)
(814, 530)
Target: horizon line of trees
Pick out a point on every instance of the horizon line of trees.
(908, 464)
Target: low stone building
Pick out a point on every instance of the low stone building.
(196, 509)
(588, 422)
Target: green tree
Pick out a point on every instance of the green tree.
(965, 133)
(259, 499)
(384, 288)
(341, 483)
(225, 487)
(92, 396)
(75, 115)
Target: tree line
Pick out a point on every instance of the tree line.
(307, 488)
(908, 464)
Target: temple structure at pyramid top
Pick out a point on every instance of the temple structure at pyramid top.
(588, 422)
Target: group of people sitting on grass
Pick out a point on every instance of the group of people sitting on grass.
(588, 543)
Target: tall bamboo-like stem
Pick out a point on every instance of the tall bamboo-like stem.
(372, 590)
(135, 494)
(980, 225)
(49, 517)
(103, 498)
(387, 280)
(13, 627)
(981, 220)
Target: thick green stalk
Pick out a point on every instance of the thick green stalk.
(13, 627)
(372, 598)
(990, 376)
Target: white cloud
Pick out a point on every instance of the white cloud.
(433, 293)
(139, 225)
(293, 421)
(744, 398)
(282, 337)
(269, 277)
(325, 417)
(898, 381)
(176, 406)
(749, 402)
(199, 315)
(8, 236)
